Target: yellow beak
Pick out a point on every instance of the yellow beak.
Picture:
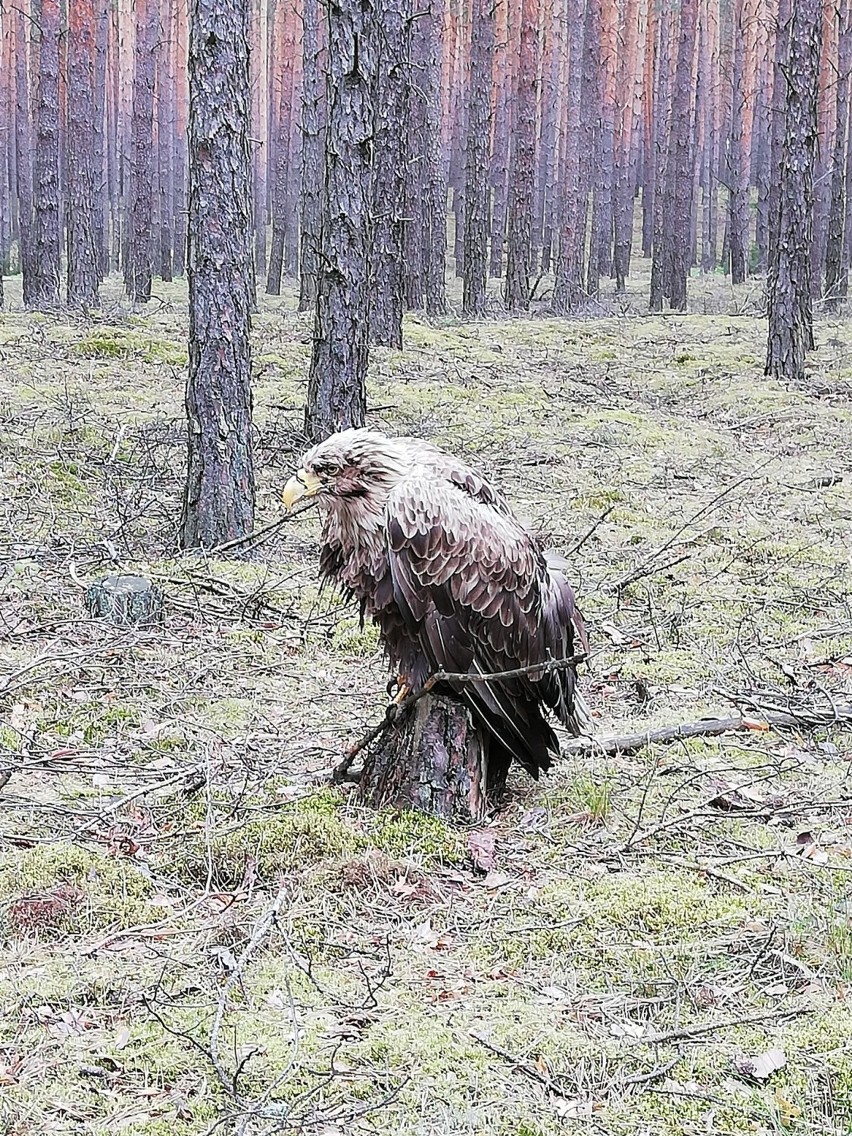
(301, 484)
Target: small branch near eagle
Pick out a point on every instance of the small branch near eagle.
(396, 710)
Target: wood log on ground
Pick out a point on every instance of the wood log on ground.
(126, 601)
(434, 759)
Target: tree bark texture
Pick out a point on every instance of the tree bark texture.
(282, 161)
(219, 501)
(23, 154)
(523, 165)
(679, 173)
(568, 285)
(83, 266)
(165, 150)
(47, 222)
(738, 172)
(477, 147)
(337, 379)
(436, 760)
(435, 229)
(390, 134)
(313, 144)
(789, 283)
(835, 269)
(138, 270)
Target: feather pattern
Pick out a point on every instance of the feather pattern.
(455, 583)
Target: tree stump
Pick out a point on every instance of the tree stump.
(126, 601)
(435, 759)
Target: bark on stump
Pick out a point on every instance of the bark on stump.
(126, 601)
(434, 759)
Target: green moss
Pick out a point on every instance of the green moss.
(411, 834)
(67, 889)
(289, 839)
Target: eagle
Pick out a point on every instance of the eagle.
(455, 583)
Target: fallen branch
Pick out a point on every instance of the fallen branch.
(708, 727)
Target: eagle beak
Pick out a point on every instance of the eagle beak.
(301, 484)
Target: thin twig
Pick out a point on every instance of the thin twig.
(395, 710)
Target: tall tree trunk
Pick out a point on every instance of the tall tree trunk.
(389, 134)
(337, 378)
(476, 195)
(789, 283)
(649, 132)
(834, 263)
(435, 234)
(23, 154)
(282, 159)
(737, 165)
(310, 200)
(627, 108)
(165, 147)
(523, 166)
(83, 268)
(679, 172)
(47, 224)
(101, 204)
(593, 131)
(179, 167)
(138, 271)
(259, 129)
(568, 285)
(506, 48)
(662, 117)
(219, 501)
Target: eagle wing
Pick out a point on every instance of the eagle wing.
(477, 595)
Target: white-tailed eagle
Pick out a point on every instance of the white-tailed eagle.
(453, 580)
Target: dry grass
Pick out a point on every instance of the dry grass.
(197, 934)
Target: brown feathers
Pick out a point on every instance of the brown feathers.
(454, 582)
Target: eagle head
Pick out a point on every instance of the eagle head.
(348, 466)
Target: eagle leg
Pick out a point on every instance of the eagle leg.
(402, 687)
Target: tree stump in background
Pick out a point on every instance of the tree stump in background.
(435, 759)
(126, 601)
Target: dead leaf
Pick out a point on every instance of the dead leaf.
(755, 724)
(404, 887)
(762, 1065)
(122, 1038)
(481, 846)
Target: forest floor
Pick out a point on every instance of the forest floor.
(199, 934)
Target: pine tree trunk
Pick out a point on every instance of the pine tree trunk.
(737, 166)
(626, 108)
(389, 142)
(568, 285)
(789, 283)
(179, 167)
(47, 223)
(337, 379)
(649, 150)
(219, 501)
(101, 204)
(138, 269)
(679, 171)
(310, 200)
(592, 144)
(834, 266)
(778, 126)
(523, 165)
(662, 117)
(477, 146)
(259, 136)
(435, 760)
(435, 213)
(83, 269)
(282, 163)
(23, 154)
(165, 136)
(506, 49)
